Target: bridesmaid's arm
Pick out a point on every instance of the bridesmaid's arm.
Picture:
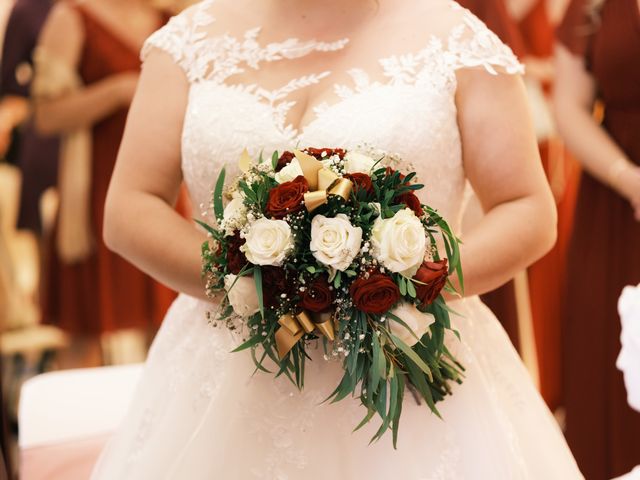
(502, 163)
(62, 39)
(140, 223)
(574, 95)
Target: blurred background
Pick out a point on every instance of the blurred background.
(66, 302)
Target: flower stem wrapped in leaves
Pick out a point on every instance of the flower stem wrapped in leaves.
(335, 245)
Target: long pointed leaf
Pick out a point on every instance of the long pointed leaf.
(218, 209)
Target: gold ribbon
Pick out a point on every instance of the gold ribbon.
(322, 182)
(293, 327)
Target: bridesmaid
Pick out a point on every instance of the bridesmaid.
(35, 155)
(598, 58)
(547, 276)
(87, 67)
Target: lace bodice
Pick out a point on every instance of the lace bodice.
(406, 106)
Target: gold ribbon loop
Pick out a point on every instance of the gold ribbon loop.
(322, 182)
(324, 323)
(342, 188)
(313, 200)
(310, 168)
(326, 178)
(288, 335)
(306, 322)
(292, 328)
(290, 323)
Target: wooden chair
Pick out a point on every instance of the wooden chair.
(25, 345)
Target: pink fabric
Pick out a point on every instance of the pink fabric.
(71, 460)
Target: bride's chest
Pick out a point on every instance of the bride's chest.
(412, 120)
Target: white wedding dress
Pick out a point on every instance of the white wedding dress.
(198, 412)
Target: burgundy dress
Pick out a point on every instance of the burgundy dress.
(604, 256)
(34, 154)
(103, 292)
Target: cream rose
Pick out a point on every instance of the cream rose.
(355, 162)
(417, 321)
(234, 216)
(334, 241)
(267, 242)
(289, 172)
(399, 242)
(242, 294)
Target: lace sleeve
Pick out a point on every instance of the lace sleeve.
(472, 45)
(181, 38)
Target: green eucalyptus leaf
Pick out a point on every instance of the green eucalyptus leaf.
(257, 278)
(218, 208)
(413, 356)
(411, 290)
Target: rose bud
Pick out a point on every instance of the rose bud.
(412, 201)
(317, 296)
(361, 181)
(274, 284)
(432, 277)
(236, 259)
(284, 160)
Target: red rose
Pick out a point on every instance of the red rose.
(432, 277)
(235, 258)
(284, 160)
(412, 201)
(317, 152)
(287, 197)
(317, 296)
(274, 284)
(376, 294)
(361, 181)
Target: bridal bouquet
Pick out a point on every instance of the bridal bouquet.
(334, 245)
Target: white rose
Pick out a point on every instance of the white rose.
(334, 241)
(399, 242)
(629, 358)
(267, 242)
(242, 294)
(355, 162)
(289, 172)
(235, 214)
(417, 321)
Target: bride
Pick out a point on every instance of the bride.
(421, 78)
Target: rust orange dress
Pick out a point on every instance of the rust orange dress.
(104, 292)
(604, 255)
(547, 276)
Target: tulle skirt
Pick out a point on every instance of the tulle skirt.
(200, 412)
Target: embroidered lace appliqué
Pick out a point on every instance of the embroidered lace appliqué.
(216, 59)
